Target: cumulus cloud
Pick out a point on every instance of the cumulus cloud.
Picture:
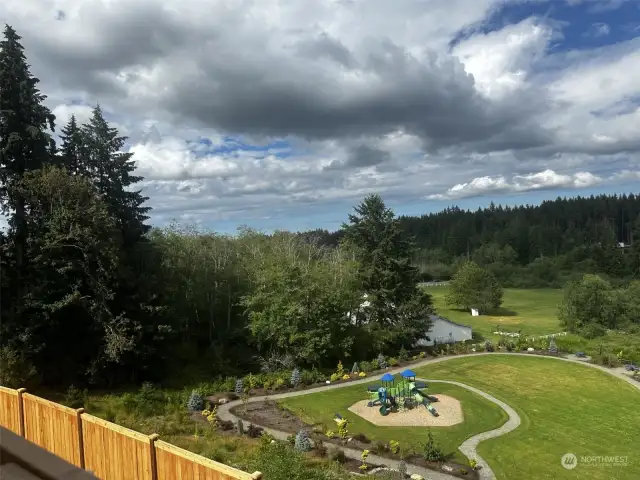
(245, 109)
(547, 179)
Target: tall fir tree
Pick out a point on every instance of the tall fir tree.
(25, 143)
(72, 152)
(398, 310)
(111, 171)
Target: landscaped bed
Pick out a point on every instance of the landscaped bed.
(565, 408)
(319, 409)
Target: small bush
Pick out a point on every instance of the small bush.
(240, 427)
(291, 439)
(330, 433)
(225, 425)
(375, 365)
(343, 428)
(254, 431)
(402, 468)
(295, 377)
(488, 346)
(239, 387)
(75, 398)
(403, 355)
(340, 369)
(361, 437)
(335, 377)
(365, 367)
(15, 369)
(422, 355)
(463, 471)
(379, 447)
(431, 451)
(393, 362)
(309, 377)
(382, 361)
(195, 402)
(394, 446)
(302, 442)
(473, 464)
(362, 374)
(337, 455)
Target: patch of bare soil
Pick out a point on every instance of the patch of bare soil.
(269, 414)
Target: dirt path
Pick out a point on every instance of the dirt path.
(468, 447)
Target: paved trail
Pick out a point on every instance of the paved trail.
(468, 447)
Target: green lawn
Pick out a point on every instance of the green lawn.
(480, 415)
(565, 408)
(533, 311)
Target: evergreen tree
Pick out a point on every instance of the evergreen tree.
(25, 143)
(111, 171)
(398, 310)
(71, 154)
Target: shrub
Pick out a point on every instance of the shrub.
(295, 377)
(15, 369)
(361, 437)
(239, 387)
(321, 448)
(309, 377)
(402, 468)
(279, 383)
(340, 369)
(394, 446)
(206, 412)
(488, 346)
(335, 377)
(330, 433)
(337, 455)
(254, 431)
(374, 364)
(302, 442)
(403, 355)
(382, 361)
(379, 447)
(393, 362)
(473, 464)
(291, 439)
(346, 376)
(365, 367)
(422, 355)
(431, 451)
(343, 428)
(239, 427)
(225, 425)
(195, 402)
(75, 398)
(362, 374)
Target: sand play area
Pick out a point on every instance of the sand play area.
(448, 408)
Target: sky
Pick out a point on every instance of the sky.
(283, 114)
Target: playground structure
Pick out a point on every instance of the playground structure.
(405, 394)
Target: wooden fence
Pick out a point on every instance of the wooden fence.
(109, 451)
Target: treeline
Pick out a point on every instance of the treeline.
(91, 295)
(528, 246)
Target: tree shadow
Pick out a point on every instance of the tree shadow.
(501, 312)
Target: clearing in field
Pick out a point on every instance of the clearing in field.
(564, 407)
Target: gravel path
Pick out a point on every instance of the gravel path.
(468, 447)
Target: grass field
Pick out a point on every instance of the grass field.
(565, 408)
(480, 415)
(535, 312)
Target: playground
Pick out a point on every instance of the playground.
(452, 414)
(403, 401)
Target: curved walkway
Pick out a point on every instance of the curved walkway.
(468, 447)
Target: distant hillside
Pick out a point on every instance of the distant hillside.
(590, 234)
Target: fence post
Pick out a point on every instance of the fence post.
(79, 413)
(21, 411)
(152, 447)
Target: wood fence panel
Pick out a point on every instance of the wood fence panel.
(175, 463)
(10, 409)
(112, 452)
(53, 427)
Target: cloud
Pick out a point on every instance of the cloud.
(241, 110)
(547, 179)
(598, 30)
